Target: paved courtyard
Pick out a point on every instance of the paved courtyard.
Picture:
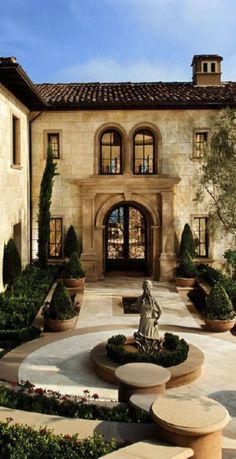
(60, 361)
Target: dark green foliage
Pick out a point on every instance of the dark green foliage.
(186, 267)
(22, 442)
(73, 407)
(73, 269)
(218, 304)
(187, 242)
(175, 351)
(44, 207)
(60, 306)
(20, 335)
(72, 243)
(211, 276)
(230, 256)
(11, 263)
(19, 307)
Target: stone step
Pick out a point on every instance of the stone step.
(150, 450)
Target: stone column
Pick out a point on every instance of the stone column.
(156, 240)
(88, 257)
(168, 256)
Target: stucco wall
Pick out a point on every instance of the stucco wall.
(14, 181)
(80, 151)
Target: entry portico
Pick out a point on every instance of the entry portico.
(153, 195)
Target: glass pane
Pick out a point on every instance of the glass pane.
(115, 243)
(136, 234)
(111, 153)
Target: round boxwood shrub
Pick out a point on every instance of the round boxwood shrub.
(186, 267)
(218, 304)
(175, 351)
(73, 269)
(60, 306)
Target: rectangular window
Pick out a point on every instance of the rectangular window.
(200, 140)
(15, 141)
(54, 140)
(55, 241)
(200, 232)
(213, 67)
(205, 67)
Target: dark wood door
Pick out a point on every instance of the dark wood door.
(126, 239)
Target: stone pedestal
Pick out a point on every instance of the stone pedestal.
(140, 378)
(194, 422)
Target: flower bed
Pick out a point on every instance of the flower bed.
(24, 396)
(24, 442)
(175, 351)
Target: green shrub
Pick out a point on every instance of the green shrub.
(198, 297)
(47, 402)
(22, 442)
(60, 306)
(11, 263)
(186, 267)
(187, 242)
(175, 351)
(73, 269)
(20, 335)
(212, 276)
(72, 243)
(218, 304)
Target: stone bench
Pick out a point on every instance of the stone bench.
(194, 422)
(140, 378)
(150, 450)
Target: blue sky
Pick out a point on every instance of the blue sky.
(117, 40)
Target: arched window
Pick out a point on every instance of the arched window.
(144, 152)
(110, 153)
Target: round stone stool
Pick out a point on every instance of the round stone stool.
(194, 422)
(142, 378)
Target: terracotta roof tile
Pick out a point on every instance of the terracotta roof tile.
(112, 95)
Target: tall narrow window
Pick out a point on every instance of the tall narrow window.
(54, 140)
(144, 152)
(200, 140)
(110, 153)
(55, 241)
(200, 231)
(15, 141)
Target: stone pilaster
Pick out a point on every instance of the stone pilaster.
(168, 256)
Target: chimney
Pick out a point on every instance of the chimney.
(206, 69)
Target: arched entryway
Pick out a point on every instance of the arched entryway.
(126, 239)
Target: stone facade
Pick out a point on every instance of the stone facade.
(14, 178)
(83, 198)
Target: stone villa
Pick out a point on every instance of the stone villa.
(127, 155)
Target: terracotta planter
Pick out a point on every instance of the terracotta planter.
(219, 325)
(77, 284)
(185, 281)
(59, 325)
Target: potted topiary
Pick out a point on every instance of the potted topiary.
(219, 315)
(187, 242)
(186, 272)
(74, 275)
(72, 243)
(60, 313)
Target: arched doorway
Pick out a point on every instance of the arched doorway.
(126, 239)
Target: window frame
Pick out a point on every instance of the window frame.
(16, 142)
(204, 243)
(57, 132)
(101, 172)
(200, 131)
(60, 256)
(154, 161)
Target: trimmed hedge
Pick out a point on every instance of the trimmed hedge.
(218, 304)
(175, 351)
(21, 335)
(23, 442)
(48, 402)
(212, 276)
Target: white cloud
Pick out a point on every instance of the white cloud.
(107, 69)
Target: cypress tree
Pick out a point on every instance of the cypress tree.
(72, 243)
(187, 242)
(44, 207)
(11, 263)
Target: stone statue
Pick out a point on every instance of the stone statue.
(147, 337)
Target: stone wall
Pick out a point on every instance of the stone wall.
(14, 179)
(80, 132)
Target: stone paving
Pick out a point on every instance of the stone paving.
(61, 361)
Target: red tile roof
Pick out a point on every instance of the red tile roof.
(137, 95)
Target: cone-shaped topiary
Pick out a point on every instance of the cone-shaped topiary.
(11, 263)
(72, 243)
(74, 268)
(218, 304)
(187, 242)
(186, 267)
(60, 306)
